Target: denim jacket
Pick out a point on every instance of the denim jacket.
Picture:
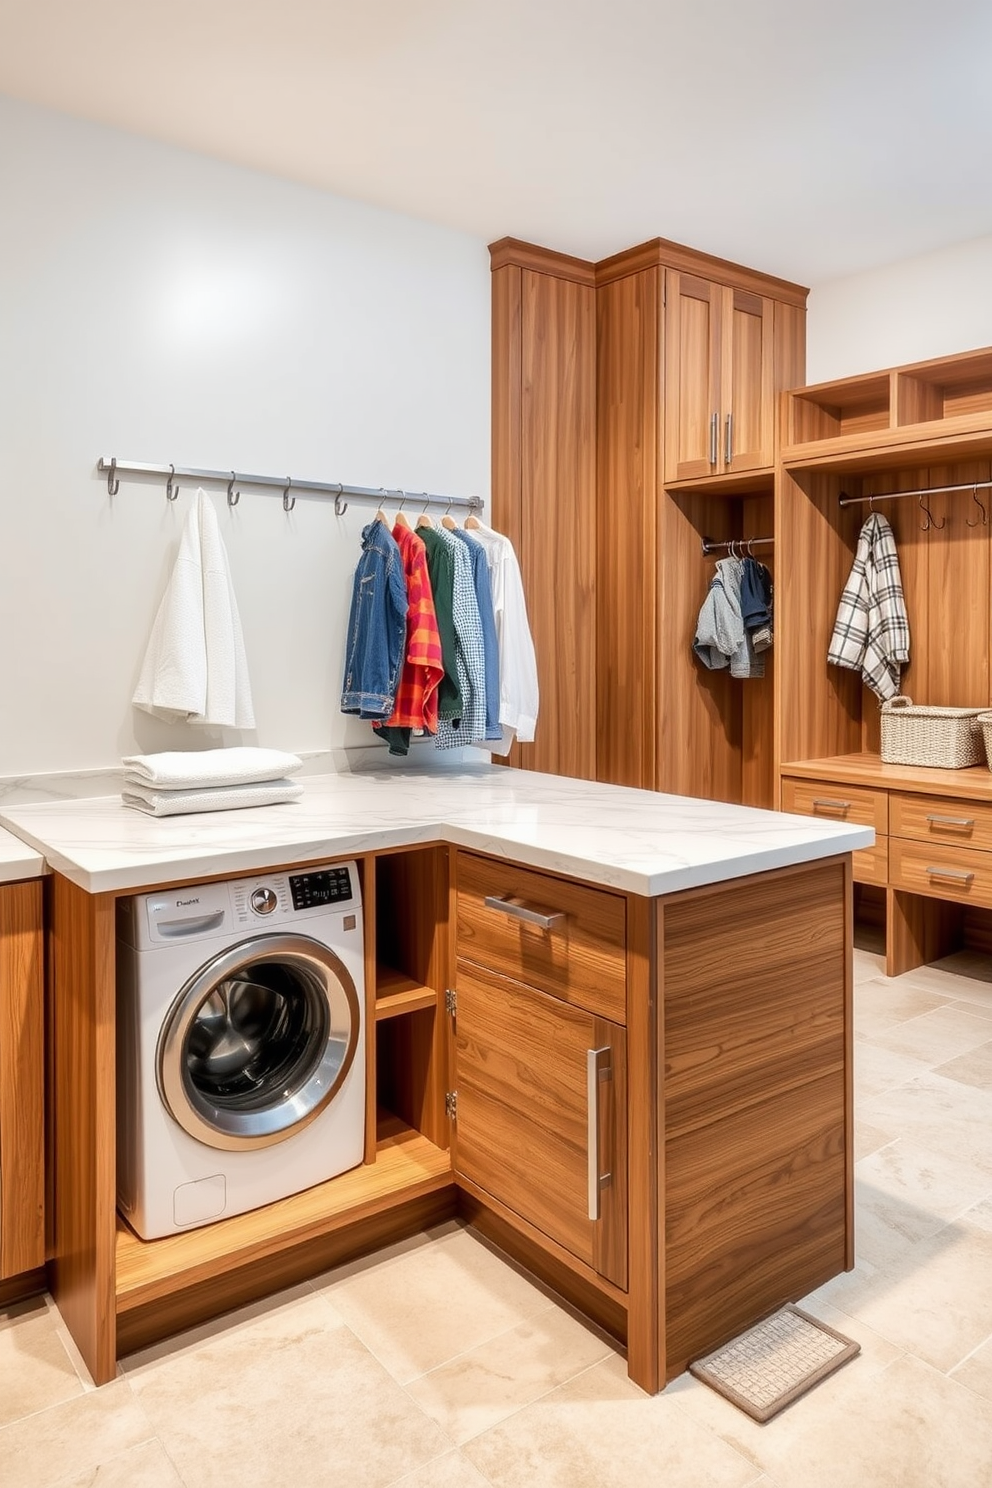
(376, 626)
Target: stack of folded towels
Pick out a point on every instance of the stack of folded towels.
(180, 781)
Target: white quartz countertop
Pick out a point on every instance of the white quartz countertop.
(632, 840)
(18, 860)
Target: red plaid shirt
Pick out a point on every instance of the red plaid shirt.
(416, 695)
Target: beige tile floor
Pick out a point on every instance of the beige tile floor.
(436, 1364)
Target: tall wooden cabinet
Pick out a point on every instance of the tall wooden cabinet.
(678, 443)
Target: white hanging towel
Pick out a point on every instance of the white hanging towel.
(195, 667)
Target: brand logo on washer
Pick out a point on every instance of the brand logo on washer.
(182, 903)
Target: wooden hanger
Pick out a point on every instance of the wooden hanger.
(448, 520)
(424, 520)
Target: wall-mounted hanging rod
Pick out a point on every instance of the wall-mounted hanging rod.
(737, 547)
(115, 468)
(971, 486)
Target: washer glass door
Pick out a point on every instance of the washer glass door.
(258, 1041)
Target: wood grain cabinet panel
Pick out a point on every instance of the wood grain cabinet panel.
(580, 960)
(522, 1127)
(22, 1115)
(838, 801)
(720, 379)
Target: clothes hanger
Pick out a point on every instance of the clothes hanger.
(401, 520)
(448, 520)
(380, 515)
(424, 520)
(471, 521)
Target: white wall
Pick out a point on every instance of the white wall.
(930, 306)
(161, 306)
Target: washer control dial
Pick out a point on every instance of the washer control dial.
(263, 901)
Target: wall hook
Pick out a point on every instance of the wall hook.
(113, 485)
(171, 491)
(930, 518)
(982, 521)
(233, 496)
(340, 505)
(288, 502)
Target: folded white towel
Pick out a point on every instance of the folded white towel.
(192, 769)
(195, 667)
(217, 798)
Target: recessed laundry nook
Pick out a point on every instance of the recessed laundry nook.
(610, 1028)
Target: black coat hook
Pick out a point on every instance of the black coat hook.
(171, 491)
(288, 502)
(113, 485)
(233, 496)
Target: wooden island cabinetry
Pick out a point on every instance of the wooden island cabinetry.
(574, 1052)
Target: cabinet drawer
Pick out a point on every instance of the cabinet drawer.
(941, 819)
(833, 802)
(959, 873)
(871, 864)
(579, 955)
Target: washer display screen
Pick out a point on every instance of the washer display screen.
(330, 886)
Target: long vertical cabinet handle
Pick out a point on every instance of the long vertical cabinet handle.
(728, 442)
(714, 435)
(598, 1069)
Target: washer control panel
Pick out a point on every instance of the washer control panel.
(325, 886)
(263, 901)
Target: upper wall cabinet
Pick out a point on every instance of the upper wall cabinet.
(719, 379)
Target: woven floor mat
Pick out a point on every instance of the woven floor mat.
(775, 1362)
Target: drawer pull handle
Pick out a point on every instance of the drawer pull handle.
(954, 873)
(951, 821)
(521, 912)
(598, 1068)
(825, 804)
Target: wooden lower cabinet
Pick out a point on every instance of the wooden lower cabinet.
(530, 1129)
(22, 1113)
(708, 1119)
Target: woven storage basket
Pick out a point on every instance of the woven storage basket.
(985, 724)
(946, 737)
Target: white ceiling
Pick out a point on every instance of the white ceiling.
(808, 140)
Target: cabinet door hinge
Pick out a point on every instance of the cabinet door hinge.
(450, 1001)
(451, 1104)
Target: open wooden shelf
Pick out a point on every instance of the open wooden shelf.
(398, 993)
(860, 424)
(974, 783)
(407, 1166)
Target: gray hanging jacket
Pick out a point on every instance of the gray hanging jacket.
(721, 639)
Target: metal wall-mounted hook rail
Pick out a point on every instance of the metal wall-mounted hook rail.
(172, 491)
(233, 496)
(113, 485)
(288, 502)
(983, 519)
(340, 505)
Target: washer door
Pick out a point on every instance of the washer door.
(258, 1041)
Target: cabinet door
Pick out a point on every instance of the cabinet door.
(747, 401)
(693, 309)
(22, 1117)
(523, 1123)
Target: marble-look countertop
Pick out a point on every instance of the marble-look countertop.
(633, 840)
(18, 860)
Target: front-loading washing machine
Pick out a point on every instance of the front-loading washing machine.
(240, 1044)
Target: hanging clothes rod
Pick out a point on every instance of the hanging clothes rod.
(288, 485)
(971, 486)
(738, 544)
